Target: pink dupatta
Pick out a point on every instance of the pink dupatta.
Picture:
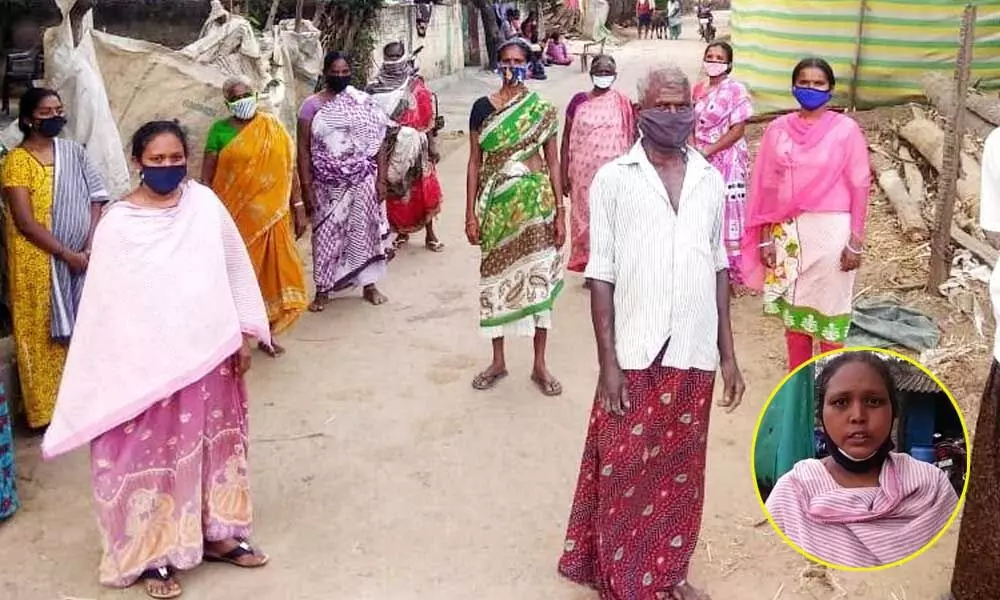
(863, 527)
(784, 186)
(169, 293)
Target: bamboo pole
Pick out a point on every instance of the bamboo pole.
(299, 9)
(947, 184)
(856, 65)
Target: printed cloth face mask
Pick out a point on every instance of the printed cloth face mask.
(244, 109)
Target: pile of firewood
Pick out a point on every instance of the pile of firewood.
(907, 158)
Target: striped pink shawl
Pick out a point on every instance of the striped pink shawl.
(167, 296)
(863, 527)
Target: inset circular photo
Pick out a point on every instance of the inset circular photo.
(860, 458)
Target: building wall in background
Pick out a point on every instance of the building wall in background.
(444, 45)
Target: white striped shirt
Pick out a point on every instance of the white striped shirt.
(662, 263)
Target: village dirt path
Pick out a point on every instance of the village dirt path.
(379, 474)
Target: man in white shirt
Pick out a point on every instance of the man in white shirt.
(660, 304)
(975, 574)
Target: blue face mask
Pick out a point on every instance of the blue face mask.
(513, 73)
(164, 180)
(811, 99)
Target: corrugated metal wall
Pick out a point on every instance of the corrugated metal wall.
(901, 40)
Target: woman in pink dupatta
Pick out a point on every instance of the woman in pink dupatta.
(722, 109)
(864, 505)
(805, 222)
(154, 376)
(600, 127)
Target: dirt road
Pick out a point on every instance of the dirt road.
(378, 473)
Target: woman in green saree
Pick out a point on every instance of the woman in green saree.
(514, 213)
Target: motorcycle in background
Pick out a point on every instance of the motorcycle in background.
(950, 457)
(706, 24)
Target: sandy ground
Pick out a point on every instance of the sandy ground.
(380, 474)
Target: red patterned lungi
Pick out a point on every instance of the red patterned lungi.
(637, 510)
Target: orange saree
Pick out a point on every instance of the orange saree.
(254, 179)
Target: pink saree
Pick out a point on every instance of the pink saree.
(863, 527)
(149, 382)
(718, 109)
(603, 129)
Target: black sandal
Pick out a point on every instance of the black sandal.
(163, 575)
(232, 557)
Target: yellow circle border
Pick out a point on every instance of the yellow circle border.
(968, 461)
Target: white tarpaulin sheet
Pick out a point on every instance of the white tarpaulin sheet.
(111, 85)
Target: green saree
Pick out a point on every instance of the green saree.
(521, 268)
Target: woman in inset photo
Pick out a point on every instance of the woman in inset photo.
(856, 502)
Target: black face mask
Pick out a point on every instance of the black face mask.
(860, 466)
(51, 127)
(338, 83)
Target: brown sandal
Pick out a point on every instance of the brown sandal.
(163, 575)
(233, 556)
(486, 380)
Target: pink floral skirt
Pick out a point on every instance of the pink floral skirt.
(173, 478)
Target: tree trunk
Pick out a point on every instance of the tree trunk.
(299, 10)
(272, 15)
(491, 32)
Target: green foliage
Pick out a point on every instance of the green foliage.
(350, 25)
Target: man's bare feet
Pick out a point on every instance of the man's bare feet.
(488, 379)
(373, 295)
(686, 591)
(546, 382)
(274, 351)
(319, 303)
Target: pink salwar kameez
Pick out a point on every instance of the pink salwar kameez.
(603, 129)
(717, 110)
(809, 188)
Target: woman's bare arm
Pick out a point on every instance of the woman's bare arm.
(732, 136)
(551, 150)
(472, 176)
(208, 166)
(304, 161)
(96, 210)
(564, 153)
(19, 200)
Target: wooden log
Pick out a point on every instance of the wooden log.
(907, 211)
(940, 91)
(981, 250)
(970, 185)
(928, 139)
(914, 178)
(986, 107)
